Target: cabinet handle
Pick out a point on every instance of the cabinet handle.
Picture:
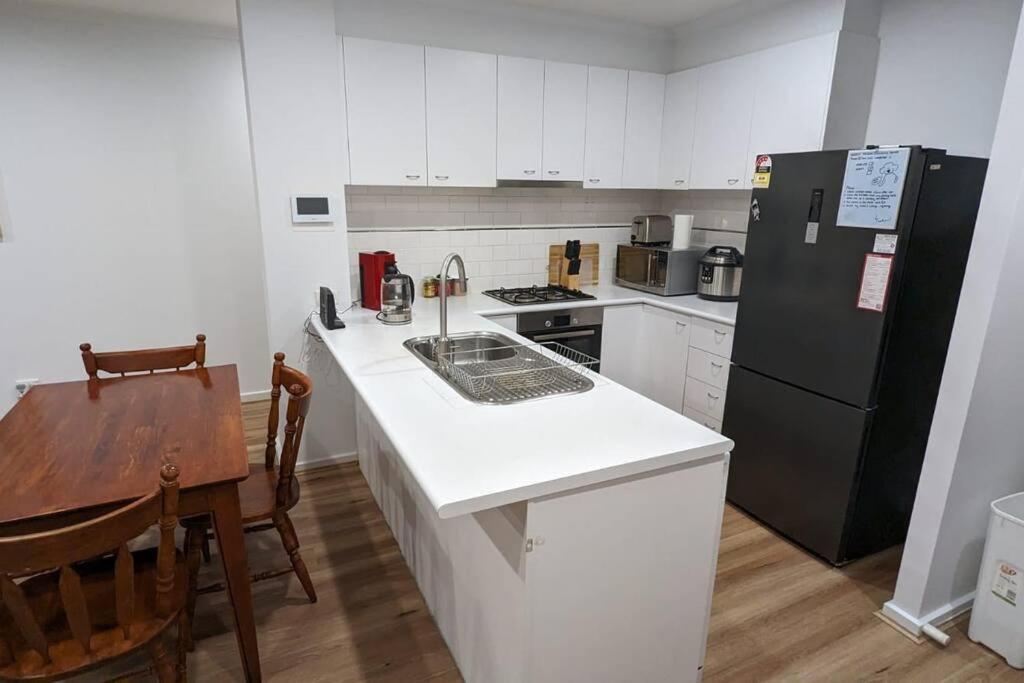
(553, 172)
(593, 180)
(412, 176)
(716, 365)
(680, 324)
(713, 397)
(719, 333)
(732, 181)
(528, 172)
(680, 182)
(440, 177)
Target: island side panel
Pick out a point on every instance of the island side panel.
(470, 569)
(619, 576)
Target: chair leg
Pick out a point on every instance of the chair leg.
(193, 548)
(206, 548)
(291, 545)
(162, 662)
(184, 644)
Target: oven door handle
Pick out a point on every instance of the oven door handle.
(564, 335)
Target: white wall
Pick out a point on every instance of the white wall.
(976, 447)
(508, 30)
(296, 120)
(751, 26)
(125, 158)
(941, 71)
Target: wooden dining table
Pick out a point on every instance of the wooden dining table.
(71, 450)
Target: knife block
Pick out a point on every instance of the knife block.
(558, 266)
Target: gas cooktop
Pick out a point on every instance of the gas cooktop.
(550, 294)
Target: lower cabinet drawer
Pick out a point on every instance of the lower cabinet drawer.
(704, 398)
(706, 420)
(713, 337)
(707, 367)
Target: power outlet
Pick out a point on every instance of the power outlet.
(21, 386)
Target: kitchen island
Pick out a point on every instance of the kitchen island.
(567, 539)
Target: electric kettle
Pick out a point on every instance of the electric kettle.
(397, 293)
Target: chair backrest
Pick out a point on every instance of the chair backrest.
(300, 391)
(144, 360)
(61, 548)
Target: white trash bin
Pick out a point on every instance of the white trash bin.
(997, 619)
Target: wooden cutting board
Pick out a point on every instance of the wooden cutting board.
(590, 263)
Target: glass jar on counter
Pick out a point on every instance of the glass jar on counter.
(431, 285)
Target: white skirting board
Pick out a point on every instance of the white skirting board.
(610, 582)
(253, 396)
(937, 617)
(335, 459)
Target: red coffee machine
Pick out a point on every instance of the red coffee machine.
(371, 271)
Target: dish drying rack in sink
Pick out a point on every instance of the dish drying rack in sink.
(530, 371)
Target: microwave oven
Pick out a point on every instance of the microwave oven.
(658, 270)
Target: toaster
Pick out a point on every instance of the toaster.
(651, 230)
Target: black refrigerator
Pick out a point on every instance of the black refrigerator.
(852, 275)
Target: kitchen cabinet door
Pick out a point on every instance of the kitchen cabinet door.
(565, 120)
(606, 124)
(722, 126)
(384, 89)
(665, 344)
(791, 98)
(645, 106)
(620, 344)
(520, 117)
(677, 129)
(462, 117)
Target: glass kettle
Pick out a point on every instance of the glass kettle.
(397, 293)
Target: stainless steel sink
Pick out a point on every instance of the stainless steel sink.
(490, 368)
(468, 347)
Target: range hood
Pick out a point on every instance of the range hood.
(574, 184)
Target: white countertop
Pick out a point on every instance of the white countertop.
(468, 457)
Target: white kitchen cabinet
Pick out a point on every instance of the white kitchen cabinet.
(722, 128)
(713, 337)
(665, 344)
(606, 124)
(384, 89)
(791, 98)
(707, 367)
(621, 358)
(677, 129)
(700, 418)
(509, 322)
(645, 106)
(520, 118)
(565, 120)
(705, 398)
(462, 118)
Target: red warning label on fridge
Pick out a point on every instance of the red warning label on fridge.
(874, 282)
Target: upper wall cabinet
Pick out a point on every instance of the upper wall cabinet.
(462, 115)
(645, 105)
(565, 120)
(384, 89)
(791, 98)
(677, 130)
(606, 123)
(520, 118)
(725, 106)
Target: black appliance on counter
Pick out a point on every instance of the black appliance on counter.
(578, 329)
(841, 339)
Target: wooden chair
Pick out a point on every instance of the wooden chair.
(268, 494)
(87, 600)
(144, 360)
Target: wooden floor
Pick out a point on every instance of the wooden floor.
(777, 615)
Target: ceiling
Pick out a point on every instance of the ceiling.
(661, 13)
(216, 12)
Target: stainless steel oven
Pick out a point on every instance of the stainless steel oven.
(577, 328)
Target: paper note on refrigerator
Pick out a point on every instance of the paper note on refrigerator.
(874, 283)
(873, 188)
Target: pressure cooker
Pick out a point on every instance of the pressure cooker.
(720, 274)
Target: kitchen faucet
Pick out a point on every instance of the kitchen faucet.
(442, 339)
